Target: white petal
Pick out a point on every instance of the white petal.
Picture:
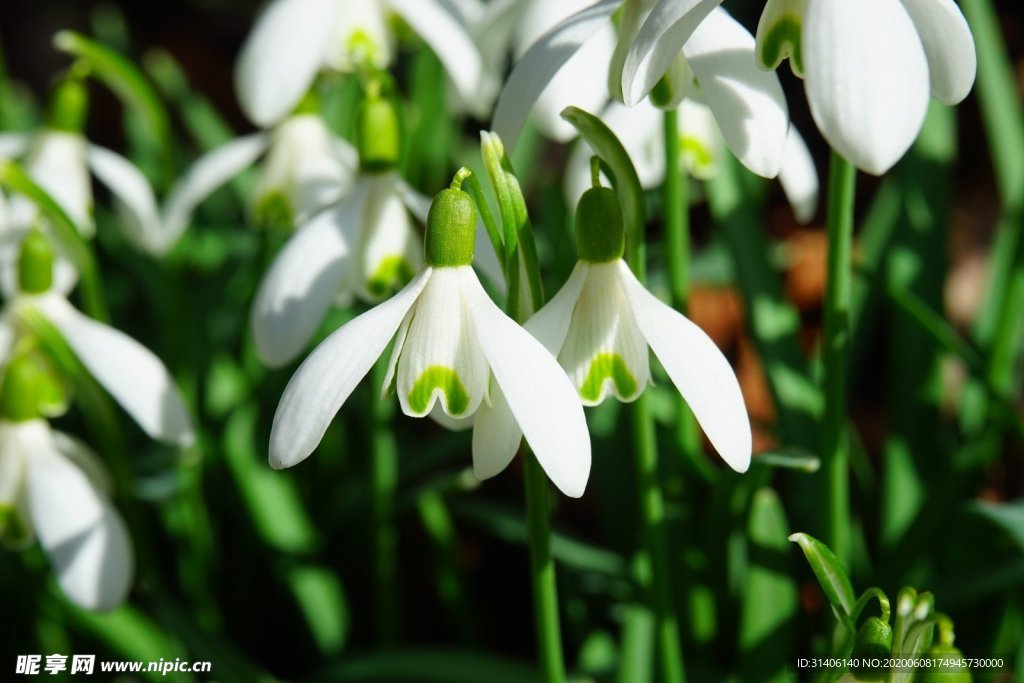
(779, 30)
(441, 360)
(632, 17)
(57, 164)
(550, 324)
(948, 45)
(698, 369)
(207, 174)
(453, 424)
(390, 249)
(303, 281)
(129, 371)
(330, 373)
(84, 537)
(799, 177)
(447, 38)
(13, 145)
(700, 138)
(12, 465)
(496, 436)
(540, 396)
(748, 103)
(134, 196)
(660, 39)
(866, 79)
(85, 459)
(363, 36)
(539, 65)
(281, 56)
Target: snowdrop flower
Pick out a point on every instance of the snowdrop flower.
(701, 51)
(601, 324)
(640, 131)
(294, 39)
(59, 159)
(453, 351)
(305, 168)
(869, 67)
(54, 488)
(133, 376)
(363, 245)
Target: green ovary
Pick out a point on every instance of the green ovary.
(393, 272)
(784, 40)
(445, 379)
(607, 366)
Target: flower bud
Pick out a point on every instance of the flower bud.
(451, 229)
(954, 673)
(377, 134)
(35, 264)
(68, 106)
(873, 641)
(600, 231)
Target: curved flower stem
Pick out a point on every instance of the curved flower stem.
(384, 481)
(835, 345)
(677, 246)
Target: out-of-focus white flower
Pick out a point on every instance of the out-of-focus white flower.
(640, 131)
(454, 349)
(869, 67)
(701, 51)
(365, 245)
(306, 167)
(294, 39)
(53, 487)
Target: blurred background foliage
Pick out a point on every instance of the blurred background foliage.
(303, 575)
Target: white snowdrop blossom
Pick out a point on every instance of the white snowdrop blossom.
(305, 168)
(365, 245)
(601, 326)
(700, 143)
(53, 487)
(294, 39)
(701, 51)
(454, 350)
(869, 67)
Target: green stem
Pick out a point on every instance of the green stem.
(542, 571)
(384, 481)
(835, 345)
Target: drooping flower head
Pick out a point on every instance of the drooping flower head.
(454, 350)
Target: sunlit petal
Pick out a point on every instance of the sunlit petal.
(948, 45)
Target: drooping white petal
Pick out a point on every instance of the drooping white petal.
(13, 145)
(83, 535)
(330, 373)
(490, 27)
(661, 37)
(541, 62)
(698, 369)
(550, 324)
(389, 250)
(303, 281)
(448, 39)
(135, 377)
(748, 103)
(281, 56)
(139, 215)
(866, 79)
(799, 177)
(604, 351)
(85, 459)
(632, 17)
(57, 164)
(948, 45)
(452, 424)
(441, 359)
(540, 396)
(496, 436)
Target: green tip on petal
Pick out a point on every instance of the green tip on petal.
(451, 230)
(35, 264)
(779, 35)
(378, 137)
(394, 272)
(445, 380)
(605, 367)
(600, 229)
(69, 104)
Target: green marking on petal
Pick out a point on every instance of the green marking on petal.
(361, 47)
(607, 366)
(274, 210)
(699, 159)
(783, 40)
(393, 273)
(445, 379)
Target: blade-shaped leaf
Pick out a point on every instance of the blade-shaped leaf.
(828, 570)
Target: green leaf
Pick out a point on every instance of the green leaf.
(829, 572)
(619, 166)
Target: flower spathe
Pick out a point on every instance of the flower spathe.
(294, 39)
(454, 348)
(870, 66)
(54, 487)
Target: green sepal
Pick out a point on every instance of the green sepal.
(600, 231)
(873, 641)
(69, 105)
(451, 230)
(378, 134)
(35, 263)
